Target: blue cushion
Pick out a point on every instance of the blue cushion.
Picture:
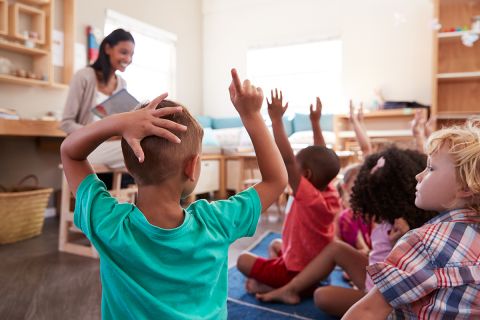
(222, 123)
(209, 138)
(288, 125)
(326, 121)
(205, 121)
(301, 122)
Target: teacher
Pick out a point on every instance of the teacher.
(94, 84)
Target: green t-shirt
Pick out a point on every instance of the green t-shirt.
(152, 273)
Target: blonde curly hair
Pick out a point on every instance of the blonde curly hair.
(464, 146)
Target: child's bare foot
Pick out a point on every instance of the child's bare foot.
(283, 294)
(253, 286)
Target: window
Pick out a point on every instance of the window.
(303, 72)
(152, 71)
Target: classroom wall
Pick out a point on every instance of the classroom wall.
(20, 156)
(386, 44)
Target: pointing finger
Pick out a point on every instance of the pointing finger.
(236, 81)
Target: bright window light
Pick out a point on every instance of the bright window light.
(152, 71)
(303, 72)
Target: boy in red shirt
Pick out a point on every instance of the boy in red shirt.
(309, 225)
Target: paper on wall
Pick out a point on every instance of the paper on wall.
(57, 48)
(80, 59)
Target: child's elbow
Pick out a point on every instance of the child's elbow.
(64, 149)
(283, 180)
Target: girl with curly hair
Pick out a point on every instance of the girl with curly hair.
(433, 272)
(384, 194)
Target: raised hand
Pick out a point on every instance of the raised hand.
(275, 106)
(356, 115)
(430, 126)
(246, 98)
(418, 123)
(356, 119)
(148, 121)
(360, 113)
(352, 117)
(316, 114)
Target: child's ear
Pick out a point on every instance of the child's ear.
(307, 173)
(465, 193)
(191, 167)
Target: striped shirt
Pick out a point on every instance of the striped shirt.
(434, 271)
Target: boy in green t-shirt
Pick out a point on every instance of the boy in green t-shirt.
(158, 260)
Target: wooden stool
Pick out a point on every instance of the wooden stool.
(71, 239)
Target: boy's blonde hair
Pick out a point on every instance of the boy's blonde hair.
(163, 158)
(464, 147)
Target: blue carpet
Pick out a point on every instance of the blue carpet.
(242, 305)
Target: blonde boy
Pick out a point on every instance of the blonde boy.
(434, 271)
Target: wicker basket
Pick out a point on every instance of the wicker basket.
(22, 211)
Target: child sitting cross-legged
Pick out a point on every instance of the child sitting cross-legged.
(433, 272)
(158, 260)
(309, 225)
(383, 193)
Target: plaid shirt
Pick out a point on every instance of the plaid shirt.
(434, 271)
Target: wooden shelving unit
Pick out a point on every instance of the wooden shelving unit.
(23, 81)
(37, 2)
(15, 47)
(456, 67)
(383, 125)
(36, 23)
(3, 17)
(30, 128)
(37, 16)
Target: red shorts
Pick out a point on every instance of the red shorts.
(272, 272)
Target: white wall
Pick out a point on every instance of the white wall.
(20, 156)
(386, 43)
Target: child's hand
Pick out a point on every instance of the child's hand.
(352, 117)
(430, 126)
(400, 227)
(148, 122)
(360, 113)
(316, 114)
(275, 107)
(246, 98)
(358, 116)
(418, 123)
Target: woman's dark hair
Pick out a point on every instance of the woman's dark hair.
(388, 192)
(102, 64)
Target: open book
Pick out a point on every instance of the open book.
(122, 101)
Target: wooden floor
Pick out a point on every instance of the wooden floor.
(38, 282)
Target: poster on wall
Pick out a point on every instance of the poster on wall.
(57, 48)
(93, 40)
